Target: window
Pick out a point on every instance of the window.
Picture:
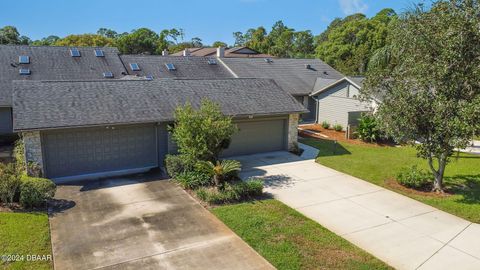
(24, 59)
(108, 74)
(212, 61)
(74, 52)
(149, 77)
(24, 71)
(134, 67)
(170, 66)
(99, 53)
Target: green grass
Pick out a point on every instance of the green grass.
(289, 240)
(25, 234)
(377, 164)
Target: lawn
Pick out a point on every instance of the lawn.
(289, 240)
(378, 164)
(25, 234)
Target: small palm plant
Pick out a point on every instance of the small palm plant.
(219, 170)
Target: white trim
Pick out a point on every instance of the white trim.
(335, 83)
(227, 67)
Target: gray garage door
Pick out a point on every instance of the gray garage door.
(258, 136)
(99, 150)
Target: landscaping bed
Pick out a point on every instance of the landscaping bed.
(381, 165)
(289, 240)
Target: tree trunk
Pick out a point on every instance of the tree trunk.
(438, 182)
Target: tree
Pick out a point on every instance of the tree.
(202, 134)
(349, 43)
(10, 35)
(46, 41)
(217, 44)
(108, 33)
(85, 40)
(429, 88)
(140, 41)
(219, 170)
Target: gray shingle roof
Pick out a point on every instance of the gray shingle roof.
(54, 104)
(191, 67)
(291, 74)
(357, 79)
(54, 63)
(322, 84)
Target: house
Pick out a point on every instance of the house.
(20, 62)
(235, 52)
(90, 129)
(296, 76)
(337, 101)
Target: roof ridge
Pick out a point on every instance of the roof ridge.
(56, 46)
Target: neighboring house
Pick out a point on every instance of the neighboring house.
(296, 76)
(337, 101)
(19, 62)
(235, 52)
(91, 129)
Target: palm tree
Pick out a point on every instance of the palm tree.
(219, 170)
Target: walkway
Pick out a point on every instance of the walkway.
(403, 232)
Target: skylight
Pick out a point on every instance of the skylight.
(268, 60)
(212, 61)
(170, 66)
(24, 59)
(149, 77)
(134, 67)
(99, 53)
(24, 71)
(108, 74)
(74, 52)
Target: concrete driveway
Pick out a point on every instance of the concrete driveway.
(138, 223)
(401, 231)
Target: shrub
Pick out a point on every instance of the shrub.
(176, 164)
(193, 180)
(414, 177)
(232, 192)
(35, 191)
(325, 125)
(220, 170)
(337, 127)
(367, 128)
(9, 183)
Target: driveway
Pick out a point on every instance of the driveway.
(141, 223)
(403, 232)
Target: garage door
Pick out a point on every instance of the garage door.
(99, 150)
(258, 136)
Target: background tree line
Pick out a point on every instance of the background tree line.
(347, 44)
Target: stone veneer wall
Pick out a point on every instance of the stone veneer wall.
(292, 130)
(33, 148)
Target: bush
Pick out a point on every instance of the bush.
(9, 183)
(193, 180)
(177, 164)
(337, 127)
(325, 125)
(414, 177)
(232, 192)
(367, 128)
(35, 191)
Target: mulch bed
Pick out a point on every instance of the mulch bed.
(425, 192)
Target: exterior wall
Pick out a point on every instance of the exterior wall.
(292, 133)
(5, 121)
(335, 104)
(33, 148)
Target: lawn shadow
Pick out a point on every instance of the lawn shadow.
(466, 185)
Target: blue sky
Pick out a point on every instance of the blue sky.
(210, 20)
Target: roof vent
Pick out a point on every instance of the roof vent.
(221, 51)
(99, 53)
(165, 52)
(134, 67)
(24, 59)
(308, 66)
(74, 52)
(170, 66)
(108, 74)
(149, 77)
(212, 61)
(325, 73)
(24, 71)
(186, 52)
(268, 60)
